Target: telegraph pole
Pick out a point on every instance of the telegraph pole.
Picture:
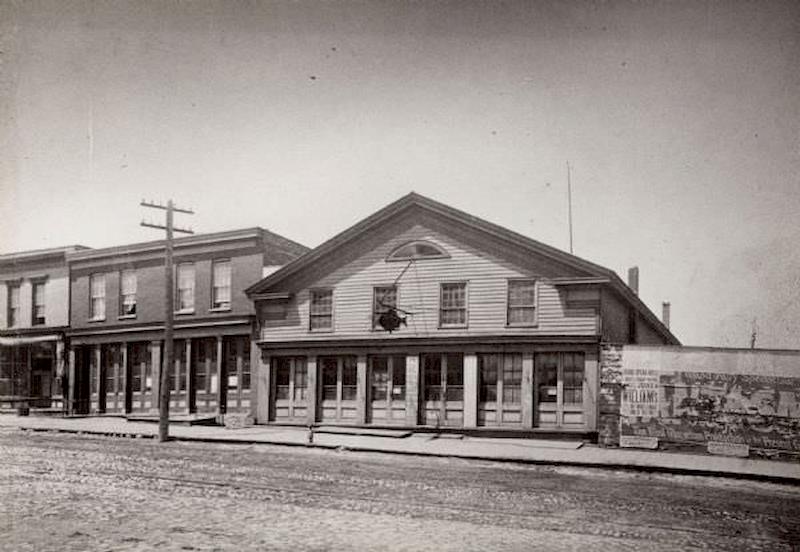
(169, 308)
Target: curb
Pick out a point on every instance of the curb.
(614, 466)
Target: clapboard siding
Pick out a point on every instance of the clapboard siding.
(485, 273)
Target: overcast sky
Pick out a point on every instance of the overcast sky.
(681, 121)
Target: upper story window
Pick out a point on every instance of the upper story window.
(321, 310)
(385, 299)
(221, 285)
(521, 302)
(13, 304)
(97, 296)
(453, 305)
(127, 293)
(38, 315)
(184, 301)
(416, 250)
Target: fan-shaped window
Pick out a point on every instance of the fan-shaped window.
(416, 250)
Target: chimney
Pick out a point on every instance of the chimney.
(665, 313)
(633, 279)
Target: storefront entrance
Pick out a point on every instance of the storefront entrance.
(387, 390)
(500, 390)
(338, 386)
(559, 380)
(140, 367)
(442, 390)
(290, 389)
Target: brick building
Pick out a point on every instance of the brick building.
(117, 322)
(422, 315)
(34, 315)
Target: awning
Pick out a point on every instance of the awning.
(28, 340)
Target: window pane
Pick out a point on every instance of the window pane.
(521, 293)
(222, 284)
(380, 378)
(321, 309)
(185, 286)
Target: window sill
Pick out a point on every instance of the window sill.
(453, 327)
(219, 309)
(97, 319)
(321, 331)
(183, 312)
(530, 325)
(126, 317)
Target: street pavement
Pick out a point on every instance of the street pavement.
(71, 492)
(543, 451)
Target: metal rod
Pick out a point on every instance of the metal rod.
(569, 201)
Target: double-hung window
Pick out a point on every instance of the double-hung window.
(221, 285)
(385, 299)
(321, 310)
(127, 293)
(521, 302)
(37, 303)
(185, 296)
(453, 305)
(13, 304)
(97, 296)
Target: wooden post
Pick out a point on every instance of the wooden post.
(361, 390)
(190, 390)
(591, 389)
(158, 381)
(527, 390)
(312, 392)
(98, 361)
(470, 390)
(412, 390)
(126, 390)
(71, 382)
(222, 384)
(262, 376)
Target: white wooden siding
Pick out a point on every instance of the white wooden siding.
(418, 292)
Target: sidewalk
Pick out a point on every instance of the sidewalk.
(531, 451)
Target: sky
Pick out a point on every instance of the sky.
(680, 121)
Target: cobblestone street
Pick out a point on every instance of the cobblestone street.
(66, 492)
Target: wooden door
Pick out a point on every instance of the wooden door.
(442, 390)
(338, 389)
(559, 380)
(289, 389)
(386, 403)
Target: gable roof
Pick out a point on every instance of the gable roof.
(414, 199)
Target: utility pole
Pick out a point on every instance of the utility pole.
(169, 308)
(569, 201)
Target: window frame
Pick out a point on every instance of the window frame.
(391, 257)
(177, 297)
(13, 321)
(221, 308)
(375, 313)
(122, 314)
(312, 315)
(97, 317)
(34, 296)
(465, 324)
(534, 306)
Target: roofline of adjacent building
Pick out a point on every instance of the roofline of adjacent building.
(414, 198)
(40, 254)
(255, 232)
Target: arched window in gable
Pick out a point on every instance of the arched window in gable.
(415, 250)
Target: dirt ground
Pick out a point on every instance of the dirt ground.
(67, 492)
